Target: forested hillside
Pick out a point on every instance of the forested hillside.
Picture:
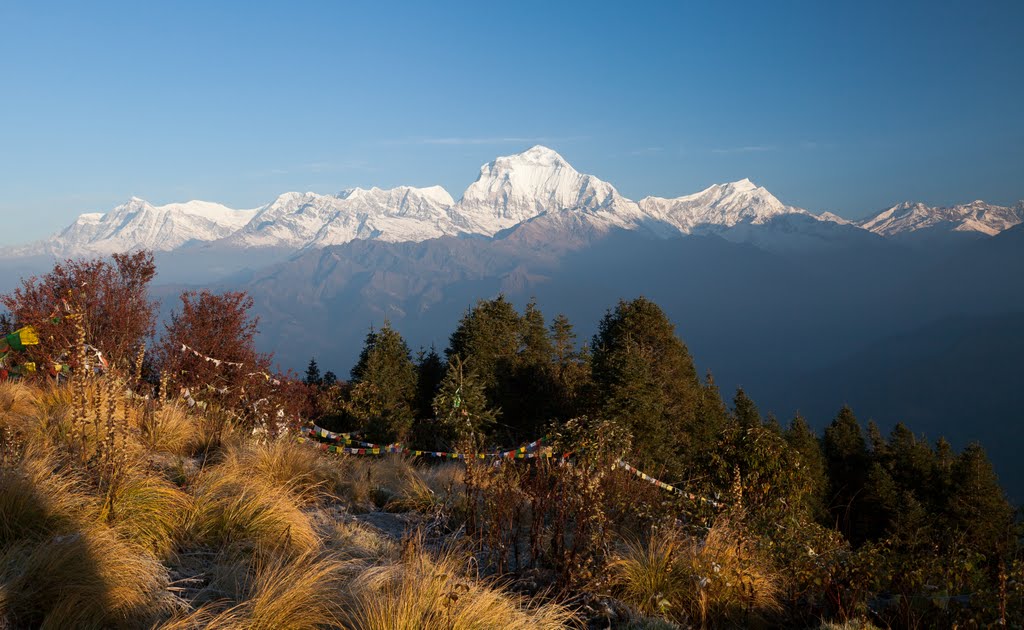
(520, 476)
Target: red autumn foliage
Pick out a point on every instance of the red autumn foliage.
(110, 297)
(208, 348)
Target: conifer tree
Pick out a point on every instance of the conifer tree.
(648, 382)
(530, 399)
(330, 378)
(461, 406)
(313, 378)
(745, 410)
(430, 371)
(384, 386)
(847, 457)
(571, 371)
(806, 443)
(489, 336)
(977, 505)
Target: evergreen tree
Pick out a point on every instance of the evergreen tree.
(489, 336)
(977, 505)
(846, 454)
(330, 378)
(430, 371)
(805, 442)
(912, 461)
(532, 392)
(571, 368)
(745, 410)
(384, 386)
(313, 378)
(461, 406)
(535, 346)
(648, 382)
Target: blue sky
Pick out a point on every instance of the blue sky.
(846, 107)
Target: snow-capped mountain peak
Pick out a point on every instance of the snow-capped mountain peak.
(301, 220)
(139, 224)
(913, 217)
(718, 206)
(537, 186)
(515, 188)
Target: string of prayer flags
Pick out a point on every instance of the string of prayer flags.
(217, 362)
(19, 339)
(663, 485)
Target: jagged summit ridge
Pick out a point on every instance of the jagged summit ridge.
(977, 216)
(718, 206)
(300, 220)
(516, 188)
(140, 224)
(510, 191)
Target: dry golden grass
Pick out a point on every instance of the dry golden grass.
(357, 481)
(233, 507)
(644, 571)
(60, 565)
(350, 540)
(422, 590)
(298, 594)
(169, 428)
(36, 502)
(85, 579)
(721, 577)
(18, 405)
(152, 511)
(286, 464)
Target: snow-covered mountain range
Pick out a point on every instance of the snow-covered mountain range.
(977, 216)
(509, 191)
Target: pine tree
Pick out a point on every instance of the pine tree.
(531, 393)
(384, 386)
(648, 382)
(461, 406)
(571, 367)
(846, 454)
(977, 505)
(745, 410)
(535, 346)
(804, 441)
(330, 378)
(430, 371)
(489, 336)
(313, 378)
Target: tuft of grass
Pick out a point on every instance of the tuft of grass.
(286, 464)
(18, 404)
(708, 581)
(357, 481)
(36, 502)
(350, 540)
(151, 510)
(232, 507)
(168, 428)
(644, 572)
(83, 579)
(297, 594)
(422, 590)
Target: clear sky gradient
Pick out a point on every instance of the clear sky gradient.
(847, 107)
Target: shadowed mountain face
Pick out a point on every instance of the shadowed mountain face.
(913, 314)
(897, 332)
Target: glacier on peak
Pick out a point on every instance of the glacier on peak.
(718, 206)
(536, 186)
(138, 224)
(907, 218)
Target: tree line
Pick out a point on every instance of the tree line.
(915, 512)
